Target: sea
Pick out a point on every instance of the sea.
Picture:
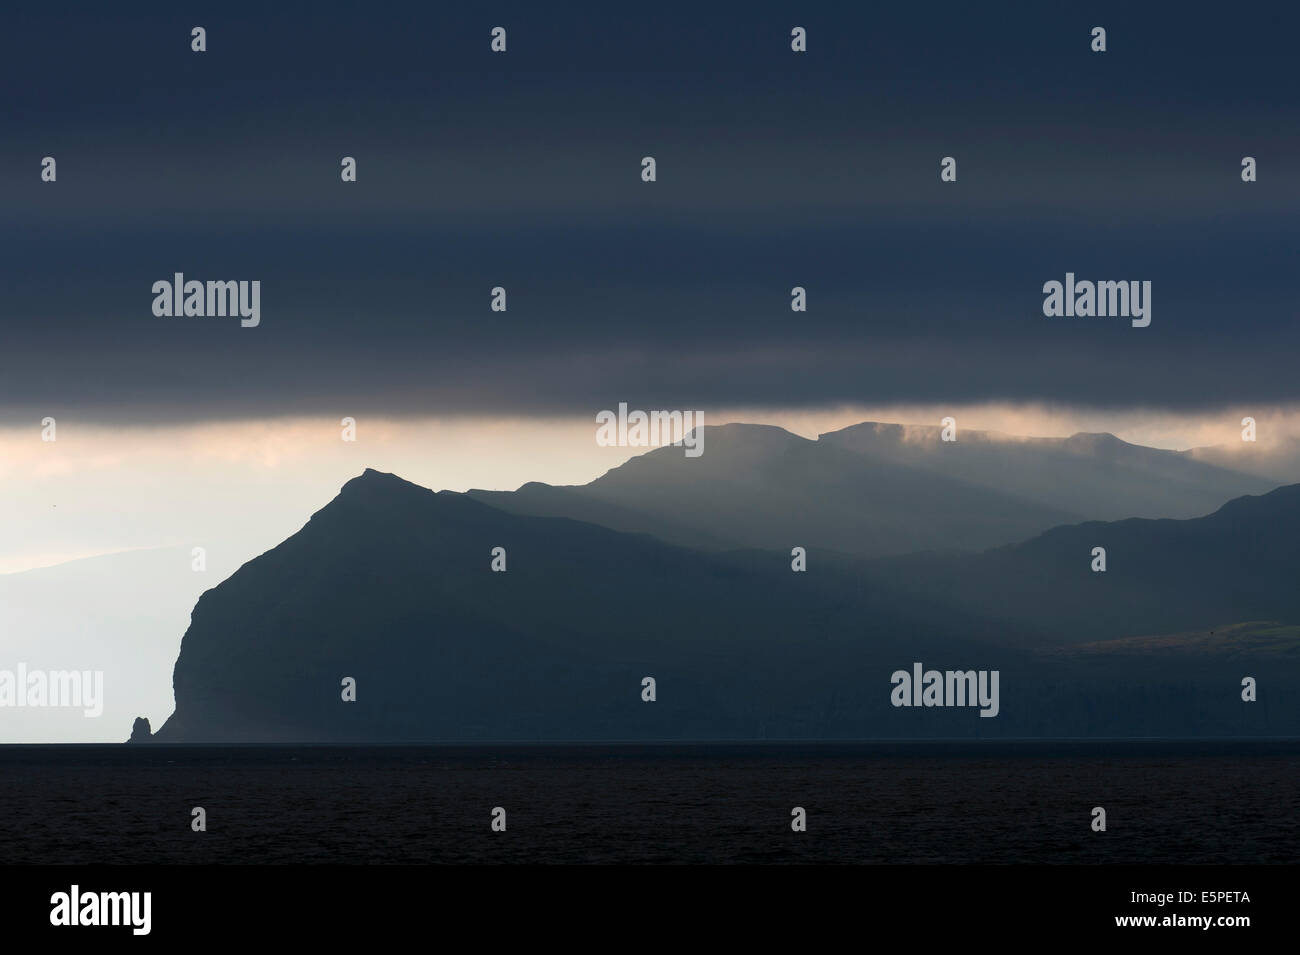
(1006, 802)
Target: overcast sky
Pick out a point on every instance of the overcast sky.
(521, 170)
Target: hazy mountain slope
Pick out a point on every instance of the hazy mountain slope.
(546, 500)
(880, 489)
(1096, 476)
(760, 486)
(1277, 461)
(1237, 564)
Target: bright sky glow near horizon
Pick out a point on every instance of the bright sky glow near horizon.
(99, 490)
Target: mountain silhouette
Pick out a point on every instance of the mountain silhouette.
(878, 490)
(1237, 564)
(390, 585)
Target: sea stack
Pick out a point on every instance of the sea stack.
(141, 731)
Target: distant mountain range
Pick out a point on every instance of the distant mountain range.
(882, 489)
(391, 585)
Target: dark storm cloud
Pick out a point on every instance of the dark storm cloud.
(776, 170)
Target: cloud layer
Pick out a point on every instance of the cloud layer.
(522, 171)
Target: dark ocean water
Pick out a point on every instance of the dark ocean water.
(1166, 802)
